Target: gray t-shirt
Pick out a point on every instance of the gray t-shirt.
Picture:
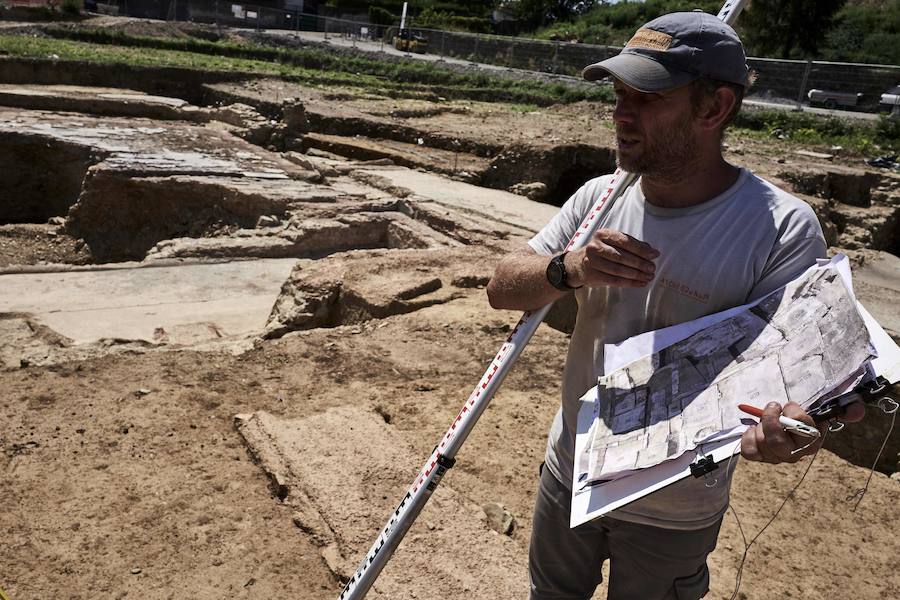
(732, 249)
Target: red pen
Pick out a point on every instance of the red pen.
(792, 425)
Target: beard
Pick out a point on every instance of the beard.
(667, 154)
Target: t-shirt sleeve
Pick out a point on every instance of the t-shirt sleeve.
(799, 244)
(553, 238)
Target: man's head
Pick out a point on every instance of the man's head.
(678, 82)
(674, 50)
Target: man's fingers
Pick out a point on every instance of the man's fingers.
(764, 446)
(795, 411)
(625, 242)
(748, 445)
(778, 443)
(599, 252)
(792, 410)
(603, 267)
(597, 278)
(769, 442)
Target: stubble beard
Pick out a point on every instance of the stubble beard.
(667, 155)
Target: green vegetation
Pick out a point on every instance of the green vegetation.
(614, 24)
(464, 15)
(409, 78)
(839, 30)
(437, 19)
(71, 7)
(867, 138)
(783, 28)
(865, 31)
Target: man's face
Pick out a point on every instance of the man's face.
(654, 131)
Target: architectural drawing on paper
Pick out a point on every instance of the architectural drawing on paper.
(796, 345)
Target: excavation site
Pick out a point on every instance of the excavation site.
(238, 310)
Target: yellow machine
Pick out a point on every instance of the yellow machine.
(406, 41)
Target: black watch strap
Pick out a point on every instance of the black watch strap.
(557, 275)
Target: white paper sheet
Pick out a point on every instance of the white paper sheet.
(597, 500)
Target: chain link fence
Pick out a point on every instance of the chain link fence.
(846, 86)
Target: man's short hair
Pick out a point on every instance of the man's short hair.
(706, 87)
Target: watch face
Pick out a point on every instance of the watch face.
(556, 273)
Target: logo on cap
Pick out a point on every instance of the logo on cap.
(648, 38)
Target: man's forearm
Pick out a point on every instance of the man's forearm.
(520, 283)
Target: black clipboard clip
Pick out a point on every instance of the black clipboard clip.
(871, 392)
(703, 466)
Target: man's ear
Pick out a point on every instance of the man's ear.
(715, 109)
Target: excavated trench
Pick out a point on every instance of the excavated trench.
(861, 205)
(562, 169)
(41, 177)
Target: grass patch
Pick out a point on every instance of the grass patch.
(868, 138)
(311, 65)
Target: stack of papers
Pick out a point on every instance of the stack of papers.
(671, 395)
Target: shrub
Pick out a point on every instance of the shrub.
(71, 8)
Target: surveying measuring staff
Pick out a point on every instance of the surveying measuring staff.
(670, 63)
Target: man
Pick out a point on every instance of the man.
(693, 236)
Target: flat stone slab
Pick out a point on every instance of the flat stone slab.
(345, 470)
(172, 304)
(153, 147)
(492, 205)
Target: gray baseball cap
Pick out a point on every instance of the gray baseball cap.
(674, 50)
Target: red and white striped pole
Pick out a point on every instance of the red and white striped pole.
(444, 454)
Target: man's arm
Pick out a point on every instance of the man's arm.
(611, 258)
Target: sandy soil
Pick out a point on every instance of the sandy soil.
(114, 492)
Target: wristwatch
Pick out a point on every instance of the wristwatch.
(556, 273)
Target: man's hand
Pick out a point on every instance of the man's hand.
(769, 442)
(612, 258)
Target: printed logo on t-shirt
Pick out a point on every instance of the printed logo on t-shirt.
(683, 289)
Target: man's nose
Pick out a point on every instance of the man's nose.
(624, 111)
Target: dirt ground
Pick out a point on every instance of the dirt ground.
(116, 493)
(124, 474)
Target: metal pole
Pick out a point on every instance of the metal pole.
(803, 84)
(444, 454)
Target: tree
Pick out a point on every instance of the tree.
(537, 13)
(865, 32)
(784, 27)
